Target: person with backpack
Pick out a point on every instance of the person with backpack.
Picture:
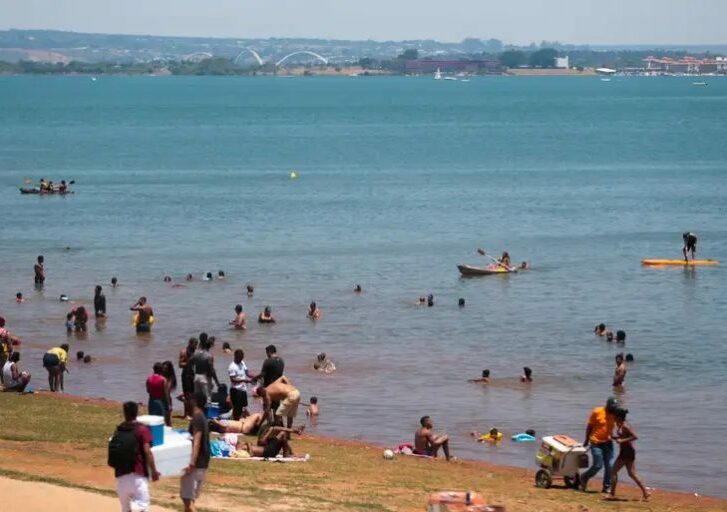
(133, 462)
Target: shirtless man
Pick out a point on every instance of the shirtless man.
(619, 375)
(240, 322)
(266, 316)
(39, 270)
(426, 442)
(143, 309)
(248, 426)
(314, 312)
(187, 375)
(283, 391)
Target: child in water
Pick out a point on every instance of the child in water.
(19, 298)
(313, 409)
(527, 375)
(485, 379)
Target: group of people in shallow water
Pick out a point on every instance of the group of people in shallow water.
(47, 187)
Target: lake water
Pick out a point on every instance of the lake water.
(400, 179)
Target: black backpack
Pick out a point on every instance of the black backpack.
(123, 449)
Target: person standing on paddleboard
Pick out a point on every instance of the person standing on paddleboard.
(690, 245)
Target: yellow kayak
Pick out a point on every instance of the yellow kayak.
(698, 263)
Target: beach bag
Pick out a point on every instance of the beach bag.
(123, 449)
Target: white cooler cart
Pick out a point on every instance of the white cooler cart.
(560, 456)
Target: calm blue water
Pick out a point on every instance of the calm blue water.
(400, 180)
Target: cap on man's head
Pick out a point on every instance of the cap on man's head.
(612, 403)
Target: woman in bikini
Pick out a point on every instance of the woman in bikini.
(625, 437)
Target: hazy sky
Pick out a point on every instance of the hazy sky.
(513, 21)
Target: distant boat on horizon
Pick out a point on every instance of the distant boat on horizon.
(437, 75)
(700, 84)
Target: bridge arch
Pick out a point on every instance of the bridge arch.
(197, 56)
(302, 52)
(255, 54)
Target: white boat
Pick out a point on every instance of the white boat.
(451, 78)
(605, 79)
(438, 75)
(700, 84)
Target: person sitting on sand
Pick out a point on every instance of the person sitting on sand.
(144, 313)
(312, 408)
(284, 392)
(619, 375)
(13, 379)
(266, 316)
(7, 341)
(625, 437)
(248, 426)
(427, 443)
(527, 375)
(314, 312)
(485, 379)
(323, 364)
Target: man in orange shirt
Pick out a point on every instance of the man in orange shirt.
(598, 435)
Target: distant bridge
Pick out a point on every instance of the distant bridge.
(197, 56)
(302, 52)
(255, 54)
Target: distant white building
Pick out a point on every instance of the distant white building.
(562, 62)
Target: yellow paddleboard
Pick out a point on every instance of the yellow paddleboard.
(699, 263)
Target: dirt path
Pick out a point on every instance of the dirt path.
(21, 495)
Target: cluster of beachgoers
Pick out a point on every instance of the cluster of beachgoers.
(202, 391)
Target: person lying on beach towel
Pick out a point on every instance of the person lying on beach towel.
(248, 426)
(271, 440)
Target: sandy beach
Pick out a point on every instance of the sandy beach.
(341, 475)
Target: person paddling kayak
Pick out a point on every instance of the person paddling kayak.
(690, 245)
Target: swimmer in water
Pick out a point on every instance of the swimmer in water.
(430, 300)
(226, 348)
(422, 300)
(240, 321)
(460, 303)
(323, 364)
(221, 274)
(250, 290)
(19, 298)
(39, 269)
(524, 265)
(620, 337)
(600, 330)
(527, 375)
(266, 316)
(314, 312)
(357, 289)
(207, 277)
(145, 312)
(189, 277)
(99, 302)
(619, 375)
(629, 358)
(114, 282)
(312, 409)
(485, 379)
(167, 279)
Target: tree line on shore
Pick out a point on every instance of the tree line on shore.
(509, 58)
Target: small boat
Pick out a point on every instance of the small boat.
(468, 270)
(450, 78)
(438, 75)
(700, 84)
(682, 263)
(37, 191)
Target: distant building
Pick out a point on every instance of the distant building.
(453, 66)
(691, 65)
(562, 62)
